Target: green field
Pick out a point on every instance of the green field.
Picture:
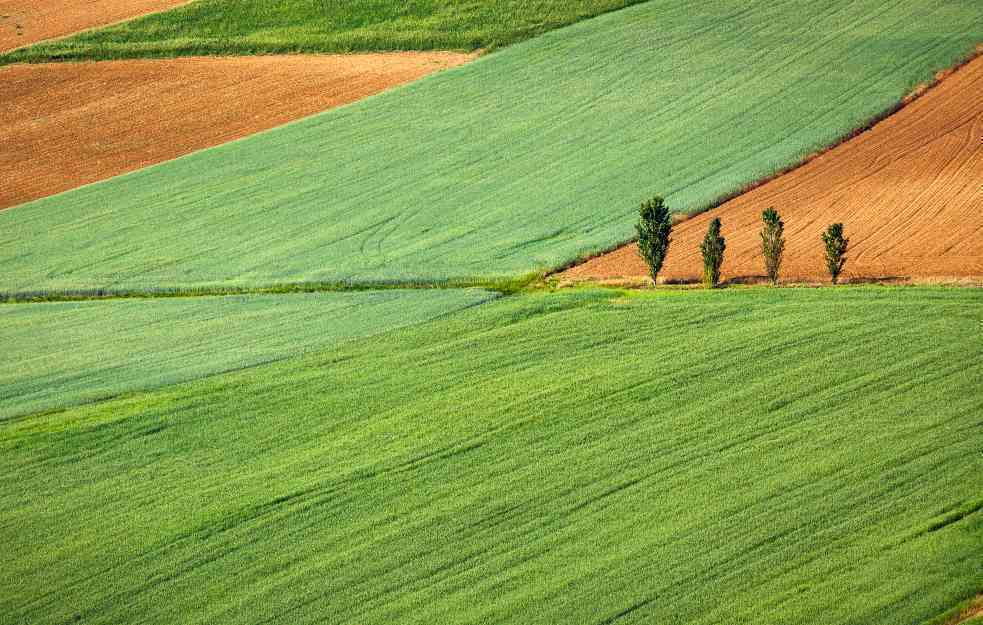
(518, 162)
(60, 354)
(239, 27)
(739, 456)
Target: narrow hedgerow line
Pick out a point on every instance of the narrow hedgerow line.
(503, 285)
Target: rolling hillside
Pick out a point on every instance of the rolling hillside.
(762, 456)
(249, 386)
(518, 162)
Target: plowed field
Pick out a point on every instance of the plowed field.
(65, 125)
(23, 22)
(909, 193)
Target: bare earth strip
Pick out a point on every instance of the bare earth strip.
(970, 613)
(65, 125)
(23, 22)
(909, 193)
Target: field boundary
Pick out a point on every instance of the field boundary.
(504, 285)
(917, 93)
(965, 611)
(197, 103)
(4, 53)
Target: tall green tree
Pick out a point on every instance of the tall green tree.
(713, 247)
(772, 242)
(836, 247)
(654, 229)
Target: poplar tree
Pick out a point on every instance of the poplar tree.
(772, 242)
(654, 227)
(713, 247)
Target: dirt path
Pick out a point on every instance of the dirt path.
(65, 125)
(23, 22)
(909, 193)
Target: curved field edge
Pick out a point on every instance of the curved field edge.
(27, 22)
(61, 131)
(58, 355)
(904, 189)
(516, 163)
(249, 27)
(794, 455)
(968, 612)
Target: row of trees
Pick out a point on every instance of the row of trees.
(655, 230)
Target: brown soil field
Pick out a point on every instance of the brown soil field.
(909, 192)
(65, 125)
(23, 22)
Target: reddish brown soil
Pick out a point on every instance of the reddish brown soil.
(909, 193)
(65, 125)
(971, 612)
(24, 22)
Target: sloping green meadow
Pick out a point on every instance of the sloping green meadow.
(518, 162)
(237, 27)
(745, 456)
(60, 354)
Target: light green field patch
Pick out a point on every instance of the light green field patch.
(518, 162)
(804, 457)
(60, 354)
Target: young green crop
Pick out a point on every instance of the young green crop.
(61, 354)
(238, 27)
(521, 161)
(532, 460)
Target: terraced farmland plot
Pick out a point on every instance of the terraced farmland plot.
(782, 456)
(518, 162)
(61, 354)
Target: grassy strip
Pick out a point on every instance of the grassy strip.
(513, 164)
(62, 354)
(503, 286)
(245, 27)
(753, 456)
